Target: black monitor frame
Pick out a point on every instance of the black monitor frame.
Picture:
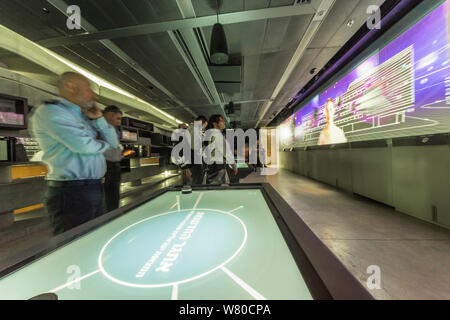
(22, 107)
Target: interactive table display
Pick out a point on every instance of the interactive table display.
(208, 244)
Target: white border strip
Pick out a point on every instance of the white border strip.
(240, 207)
(175, 292)
(245, 286)
(198, 200)
(74, 281)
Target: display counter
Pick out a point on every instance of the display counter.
(14, 171)
(142, 162)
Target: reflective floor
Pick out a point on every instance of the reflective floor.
(413, 256)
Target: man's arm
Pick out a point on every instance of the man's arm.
(107, 132)
(73, 134)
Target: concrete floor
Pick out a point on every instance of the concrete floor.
(413, 256)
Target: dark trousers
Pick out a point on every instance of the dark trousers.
(197, 174)
(72, 203)
(217, 174)
(112, 185)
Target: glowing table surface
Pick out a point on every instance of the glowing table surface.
(210, 244)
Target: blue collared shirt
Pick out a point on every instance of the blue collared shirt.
(69, 141)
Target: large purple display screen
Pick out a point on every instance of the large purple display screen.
(401, 90)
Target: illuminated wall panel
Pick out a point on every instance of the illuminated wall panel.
(401, 90)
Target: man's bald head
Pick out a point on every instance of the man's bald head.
(76, 88)
(69, 78)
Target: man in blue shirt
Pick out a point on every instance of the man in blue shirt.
(73, 135)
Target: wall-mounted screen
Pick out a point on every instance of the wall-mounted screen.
(287, 132)
(13, 111)
(401, 90)
(129, 136)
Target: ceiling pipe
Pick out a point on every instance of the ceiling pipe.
(187, 23)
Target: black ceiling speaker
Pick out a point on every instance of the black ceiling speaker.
(219, 47)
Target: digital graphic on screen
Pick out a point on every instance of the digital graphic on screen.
(401, 90)
(287, 132)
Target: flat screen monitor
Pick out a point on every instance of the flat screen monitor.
(13, 112)
(129, 135)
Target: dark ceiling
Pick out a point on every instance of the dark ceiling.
(275, 42)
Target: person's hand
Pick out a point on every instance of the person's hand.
(94, 113)
(235, 171)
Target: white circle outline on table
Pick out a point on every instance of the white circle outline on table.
(128, 284)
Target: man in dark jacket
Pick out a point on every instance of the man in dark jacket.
(113, 156)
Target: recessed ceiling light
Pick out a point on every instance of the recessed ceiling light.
(45, 10)
(350, 23)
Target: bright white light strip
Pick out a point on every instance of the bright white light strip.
(198, 200)
(240, 207)
(89, 75)
(128, 284)
(255, 294)
(429, 59)
(178, 202)
(74, 281)
(175, 292)
(103, 83)
(160, 111)
(285, 132)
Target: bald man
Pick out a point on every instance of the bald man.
(68, 131)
